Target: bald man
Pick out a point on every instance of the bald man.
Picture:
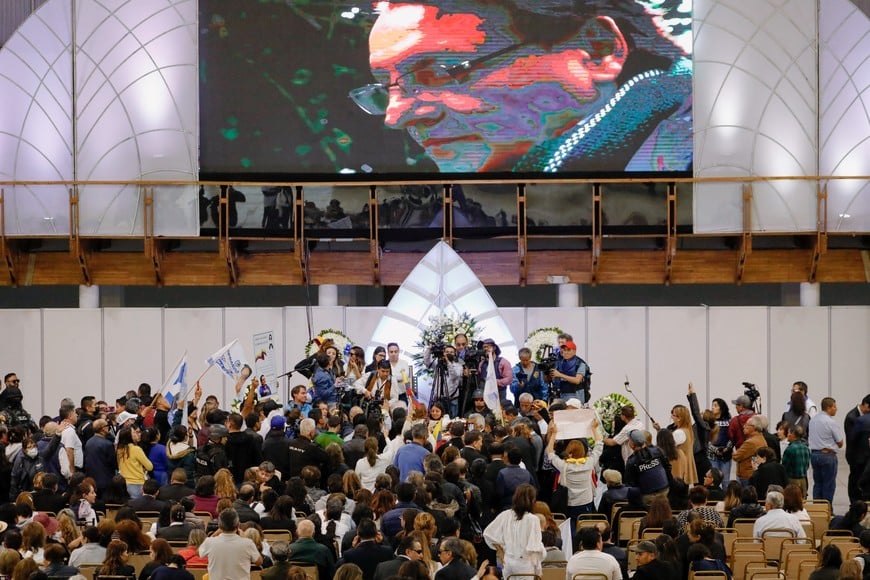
(307, 550)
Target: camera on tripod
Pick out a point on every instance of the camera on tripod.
(473, 356)
(750, 391)
(549, 358)
(437, 350)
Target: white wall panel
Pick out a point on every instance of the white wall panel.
(73, 355)
(296, 337)
(570, 320)
(677, 343)
(799, 351)
(21, 353)
(738, 351)
(850, 356)
(515, 318)
(199, 331)
(756, 86)
(361, 323)
(133, 349)
(617, 347)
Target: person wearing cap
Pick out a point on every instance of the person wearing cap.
(276, 446)
(615, 492)
(648, 564)
(126, 419)
(213, 456)
(590, 559)
(528, 377)
(100, 459)
(280, 551)
(743, 407)
(647, 468)
(569, 377)
(504, 374)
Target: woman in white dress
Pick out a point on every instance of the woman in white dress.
(517, 532)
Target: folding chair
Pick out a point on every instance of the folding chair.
(744, 527)
(794, 559)
(148, 518)
(88, 570)
(650, 533)
(198, 573)
(805, 569)
(773, 539)
(590, 520)
(523, 577)
(772, 574)
(728, 537)
(554, 573)
(205, 517)
(743, 557)
(589, 576)
(309, 569)
(139, 560)
(845, 545)
(625, 523)
(795, 545)
(277, 535)
(753, 568)
(616, 507)
(708, 575)
(831, 535)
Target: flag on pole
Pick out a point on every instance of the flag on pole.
(490, 389)
(230, 359)
(175, 388)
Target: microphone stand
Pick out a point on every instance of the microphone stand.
(633, 396)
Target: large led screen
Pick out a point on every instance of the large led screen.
(328, 89)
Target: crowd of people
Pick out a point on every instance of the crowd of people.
(365, 481)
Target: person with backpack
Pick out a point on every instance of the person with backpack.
(571, 377)
(213, 456)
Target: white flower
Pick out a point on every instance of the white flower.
(540, 339)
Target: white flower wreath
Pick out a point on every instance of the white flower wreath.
(342, 342)
(540, 339)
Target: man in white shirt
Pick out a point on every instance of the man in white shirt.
(590, 559)
(69, 437)
(401, 370)
(777, 518)
(801, 387)
(230, 555)
(621, 438)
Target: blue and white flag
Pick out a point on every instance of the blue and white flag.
(230, 359)
(490, 389)
(175, 388)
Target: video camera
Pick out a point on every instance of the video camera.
(437, 350)
(549, 358)
(473, 356)
(751, 391)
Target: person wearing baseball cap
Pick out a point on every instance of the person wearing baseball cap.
(569, 376)
(743, 406)
(647, 468)
(213, 456)
(648, 564)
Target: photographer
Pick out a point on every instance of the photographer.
(447, 370)
(528, 377)
(378, 387)
(569, 376)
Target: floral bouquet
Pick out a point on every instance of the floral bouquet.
(608, 408)
(342, 343)
(443, 328)
(540, 339)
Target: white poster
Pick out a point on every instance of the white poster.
(574, 423)
(264, 363)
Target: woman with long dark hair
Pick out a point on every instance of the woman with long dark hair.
(797, 413)
(517, 532)
(720, 444)
(133, 464)
(115, 563)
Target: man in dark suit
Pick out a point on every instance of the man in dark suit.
(354, 450)
(857, 451)
(178, 529)
(368, 552)
(176, 488)
(48, 499)
(148, 502)
(243, 504)
(409, 550)
(391, 522)
(454, 567)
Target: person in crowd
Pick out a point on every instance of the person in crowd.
(649, 567)
(857, 446)
(712, 480)
(306, 549)
(90, 551)
(647, 468)
(160, 553)
(775, 517)
(133, 464)
(753, 441)
(748, 507)
(229, 554)
(768, 471)
(82, 503)
(116, 560)
(852, 520)
(701, 559)
(831, 560)
(174, 569)
(698, 497)
(825, 438)
(528, 377)
(590, 559)
(191, 552)
(517, 534)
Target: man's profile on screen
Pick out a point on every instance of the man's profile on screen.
(533, 85)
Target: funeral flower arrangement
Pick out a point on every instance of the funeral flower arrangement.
(443, 328)
(608, 408)
(342, 342)
(540, 339)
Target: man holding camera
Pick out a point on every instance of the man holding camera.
(569, 376)
(447, 371)
(528, 377)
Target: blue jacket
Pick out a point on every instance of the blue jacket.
(391, 522)
(572, 367)
(533, 384)
(410, 458)
(507, 481)
(324, 386)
